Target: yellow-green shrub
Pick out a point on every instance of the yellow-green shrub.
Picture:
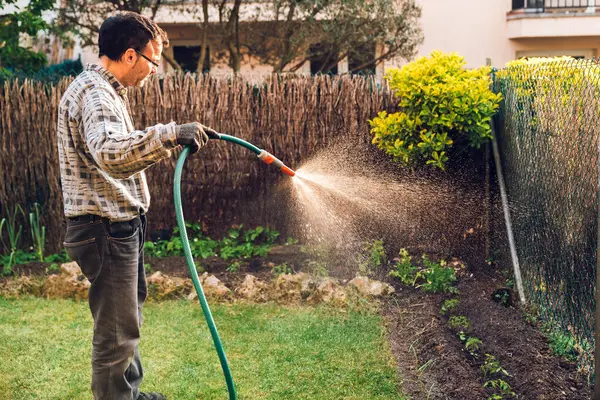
(550, 90)
(443, 106)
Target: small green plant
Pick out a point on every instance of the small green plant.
(203, 247)
(53, 268)
(235, 244)
(374, 257)
(449, 305)
(281, 269)
(14, 238)
(473, 345)
(531, 314)
(16, 257)
(38, 232)
(459, 321)
(491, 366)
(405, 270)
(147, 268)
(199, 267)
(439, 278)
(501, 387)
(377, 256)
(61, 257)
(563, 344)
(251, 243)
(291, 241)
(531, 319)
(234, 267)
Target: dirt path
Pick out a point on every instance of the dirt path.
(430, 360)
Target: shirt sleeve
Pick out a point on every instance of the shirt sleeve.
(117, 151)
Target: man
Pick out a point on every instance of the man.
(102, 159)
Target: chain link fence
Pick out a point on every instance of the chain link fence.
(548, 137)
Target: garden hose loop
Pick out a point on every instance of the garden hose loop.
(194, 274)
(267, 158)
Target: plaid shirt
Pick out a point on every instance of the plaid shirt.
(102, 157)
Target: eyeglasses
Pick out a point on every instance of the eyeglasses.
(147, 58)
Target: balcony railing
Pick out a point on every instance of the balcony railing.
(542, 5)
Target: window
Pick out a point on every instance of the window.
(518, 4)
(361, 60)
(323, 59)
(188, 56)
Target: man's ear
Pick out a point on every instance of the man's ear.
(129, 57)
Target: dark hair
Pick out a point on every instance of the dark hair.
(128, 30)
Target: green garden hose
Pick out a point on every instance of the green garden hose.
(269, 159)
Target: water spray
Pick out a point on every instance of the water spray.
(267, 158)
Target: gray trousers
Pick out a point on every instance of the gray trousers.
(111, 256)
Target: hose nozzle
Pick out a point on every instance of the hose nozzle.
(211, 133)
(271, 159)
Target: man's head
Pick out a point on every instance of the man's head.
(131, 46)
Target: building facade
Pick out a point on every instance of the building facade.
(484, 32)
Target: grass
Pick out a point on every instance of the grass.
(274, 352)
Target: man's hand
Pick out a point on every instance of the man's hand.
(192, 135)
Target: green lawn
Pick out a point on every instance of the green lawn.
(274, 352)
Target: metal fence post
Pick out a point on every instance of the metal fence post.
(509, 231)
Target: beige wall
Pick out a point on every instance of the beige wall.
(479, 30)
(474, 29)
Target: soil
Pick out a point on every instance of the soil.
(431, 359)
(434, 364)
(521, 349)
(32, 268)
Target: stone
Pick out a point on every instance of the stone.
(213, 287)
(71, 268)
(163, 287)
(371, 288)
(287, 288)
(69, 284)
(253, 289)
(328, 291)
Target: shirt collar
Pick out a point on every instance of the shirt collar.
(120, 89)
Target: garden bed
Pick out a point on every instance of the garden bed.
(435, 365)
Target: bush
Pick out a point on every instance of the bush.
(443, 107)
